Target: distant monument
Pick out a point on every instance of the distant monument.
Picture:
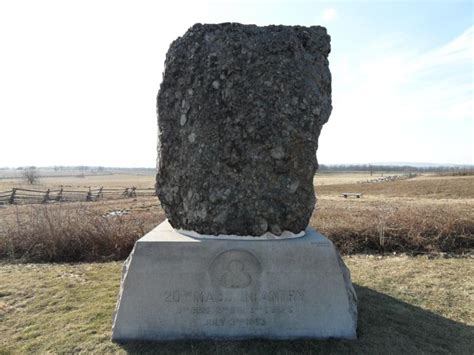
(240, 110)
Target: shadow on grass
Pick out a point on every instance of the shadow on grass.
(386, 325)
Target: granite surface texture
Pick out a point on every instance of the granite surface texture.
(240, 110)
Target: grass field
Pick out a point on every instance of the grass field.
(422, 187)
(79, 181)
(406, 305)
(426, 214)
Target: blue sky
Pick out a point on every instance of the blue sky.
(78, 80)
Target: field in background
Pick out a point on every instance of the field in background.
(428, 213)
(82, 181)
(406, 306)
(425, 214)
(419, 304)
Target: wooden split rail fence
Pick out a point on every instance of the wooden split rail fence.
(29, 196)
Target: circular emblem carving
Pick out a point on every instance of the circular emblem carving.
(234, 269)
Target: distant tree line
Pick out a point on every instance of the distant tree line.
(322, 168)
(398, 168)
(81, 168)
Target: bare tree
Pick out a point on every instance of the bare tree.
(30, 175)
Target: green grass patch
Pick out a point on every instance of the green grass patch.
(406, 305)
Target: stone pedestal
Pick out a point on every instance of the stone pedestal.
(178, 287)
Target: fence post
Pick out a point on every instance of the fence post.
(60, 195)
(12, 197)
(46, 197)
(99, 193)
(89, 195)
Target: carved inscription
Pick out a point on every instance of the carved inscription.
(235, 297)
(200, 296)
(231, 322)
(231, 310)
(235, 308)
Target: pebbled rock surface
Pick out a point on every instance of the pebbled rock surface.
(240, 110)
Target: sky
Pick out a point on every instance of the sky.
(79, 79)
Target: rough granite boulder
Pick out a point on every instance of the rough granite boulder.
(240, 110)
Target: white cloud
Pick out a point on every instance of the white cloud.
(329, 14)
(403, 105)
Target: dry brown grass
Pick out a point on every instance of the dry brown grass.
(328, 178)
(110, 181)
(70, 232)
(428, 214)
(434, 187)
(383, 227)
(406, 306)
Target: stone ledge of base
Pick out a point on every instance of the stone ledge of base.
(222, 338)
(266, 236)
(164, 232)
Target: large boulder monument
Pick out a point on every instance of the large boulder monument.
(240, 110)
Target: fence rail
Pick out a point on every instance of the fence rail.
(29, 196)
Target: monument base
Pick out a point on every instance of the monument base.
(178, 287)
